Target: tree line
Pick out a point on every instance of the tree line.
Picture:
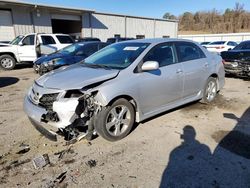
(230, 21)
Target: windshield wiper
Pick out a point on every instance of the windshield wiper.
(97, 66)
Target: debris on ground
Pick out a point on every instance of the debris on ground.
(25, 149)
(58, 181)
(3, 120)
(91, 163)
(41, 161)
(132, 177)
(63, 152)
(16, 163)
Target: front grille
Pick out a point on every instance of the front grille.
(47, 100)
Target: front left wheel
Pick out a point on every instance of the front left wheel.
(116, 121)
(7, 62)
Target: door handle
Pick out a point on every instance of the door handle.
(178, 71)
(206, 64)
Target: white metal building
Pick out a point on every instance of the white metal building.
(18, 17)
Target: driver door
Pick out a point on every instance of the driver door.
(27, 48)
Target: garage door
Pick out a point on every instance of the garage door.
(6, 27)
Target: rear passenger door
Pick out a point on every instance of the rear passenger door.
(195, 65)
(164, 86)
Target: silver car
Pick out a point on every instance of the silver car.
(122, 84)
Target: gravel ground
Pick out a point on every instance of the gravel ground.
(193, 146)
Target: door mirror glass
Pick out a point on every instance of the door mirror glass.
(150, 65)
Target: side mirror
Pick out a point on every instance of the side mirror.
(21, 44)
(150, 65)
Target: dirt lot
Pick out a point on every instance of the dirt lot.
(193, 146)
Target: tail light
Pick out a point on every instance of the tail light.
(220, 47)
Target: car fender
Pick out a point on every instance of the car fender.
(10, 49)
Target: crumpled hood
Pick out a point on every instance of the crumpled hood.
(75, 77)
(50, 57)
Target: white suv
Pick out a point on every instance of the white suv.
(29, 47)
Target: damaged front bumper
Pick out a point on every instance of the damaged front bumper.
(237, 68)
(49, 128)
(54, 112)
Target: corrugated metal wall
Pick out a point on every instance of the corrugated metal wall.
(105, 26)
(138, 26)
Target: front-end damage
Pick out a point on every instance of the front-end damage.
(66, 113)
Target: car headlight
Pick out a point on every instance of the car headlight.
(235, 64)
(52, 62)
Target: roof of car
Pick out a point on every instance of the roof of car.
(159, 40)
(90, 42)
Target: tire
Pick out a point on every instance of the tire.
(210, 90)
(7, 62)
(116, 121)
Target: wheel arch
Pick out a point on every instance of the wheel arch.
(131, 100)
(9, 53)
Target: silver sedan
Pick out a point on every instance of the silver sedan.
(122, 84)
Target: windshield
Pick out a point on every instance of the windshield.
(243, 46)
(217, 43)
(117, 56)
(17, 40)
(71, 49)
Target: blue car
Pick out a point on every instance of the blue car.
(67, 56)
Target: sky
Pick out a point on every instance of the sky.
(147, 8)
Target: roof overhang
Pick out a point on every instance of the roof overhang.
(39, 5)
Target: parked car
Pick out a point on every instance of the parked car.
(117, 39)
(204, 44)
(220, 46)
(124, 83)
(237, 61)
(67, 56)
(88, 39)
(26, 48)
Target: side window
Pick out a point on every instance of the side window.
(188, 51)
(232, 43)
(29, 40)
(64, 39)
(47, 40)
(163, 54)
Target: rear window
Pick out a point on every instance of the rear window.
(188, 51)
(243, 46)
(47, 40)
(64, 39)
(218, 43)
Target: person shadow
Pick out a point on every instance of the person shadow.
(192, 164)
(188, 163)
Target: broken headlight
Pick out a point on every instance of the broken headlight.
(73, 94)
(52, 62)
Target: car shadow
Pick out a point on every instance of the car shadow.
(192, 164)
(6, 81)
(24, 65)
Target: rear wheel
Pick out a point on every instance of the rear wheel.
(7, 62)
(210, 90)
(116, 121)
